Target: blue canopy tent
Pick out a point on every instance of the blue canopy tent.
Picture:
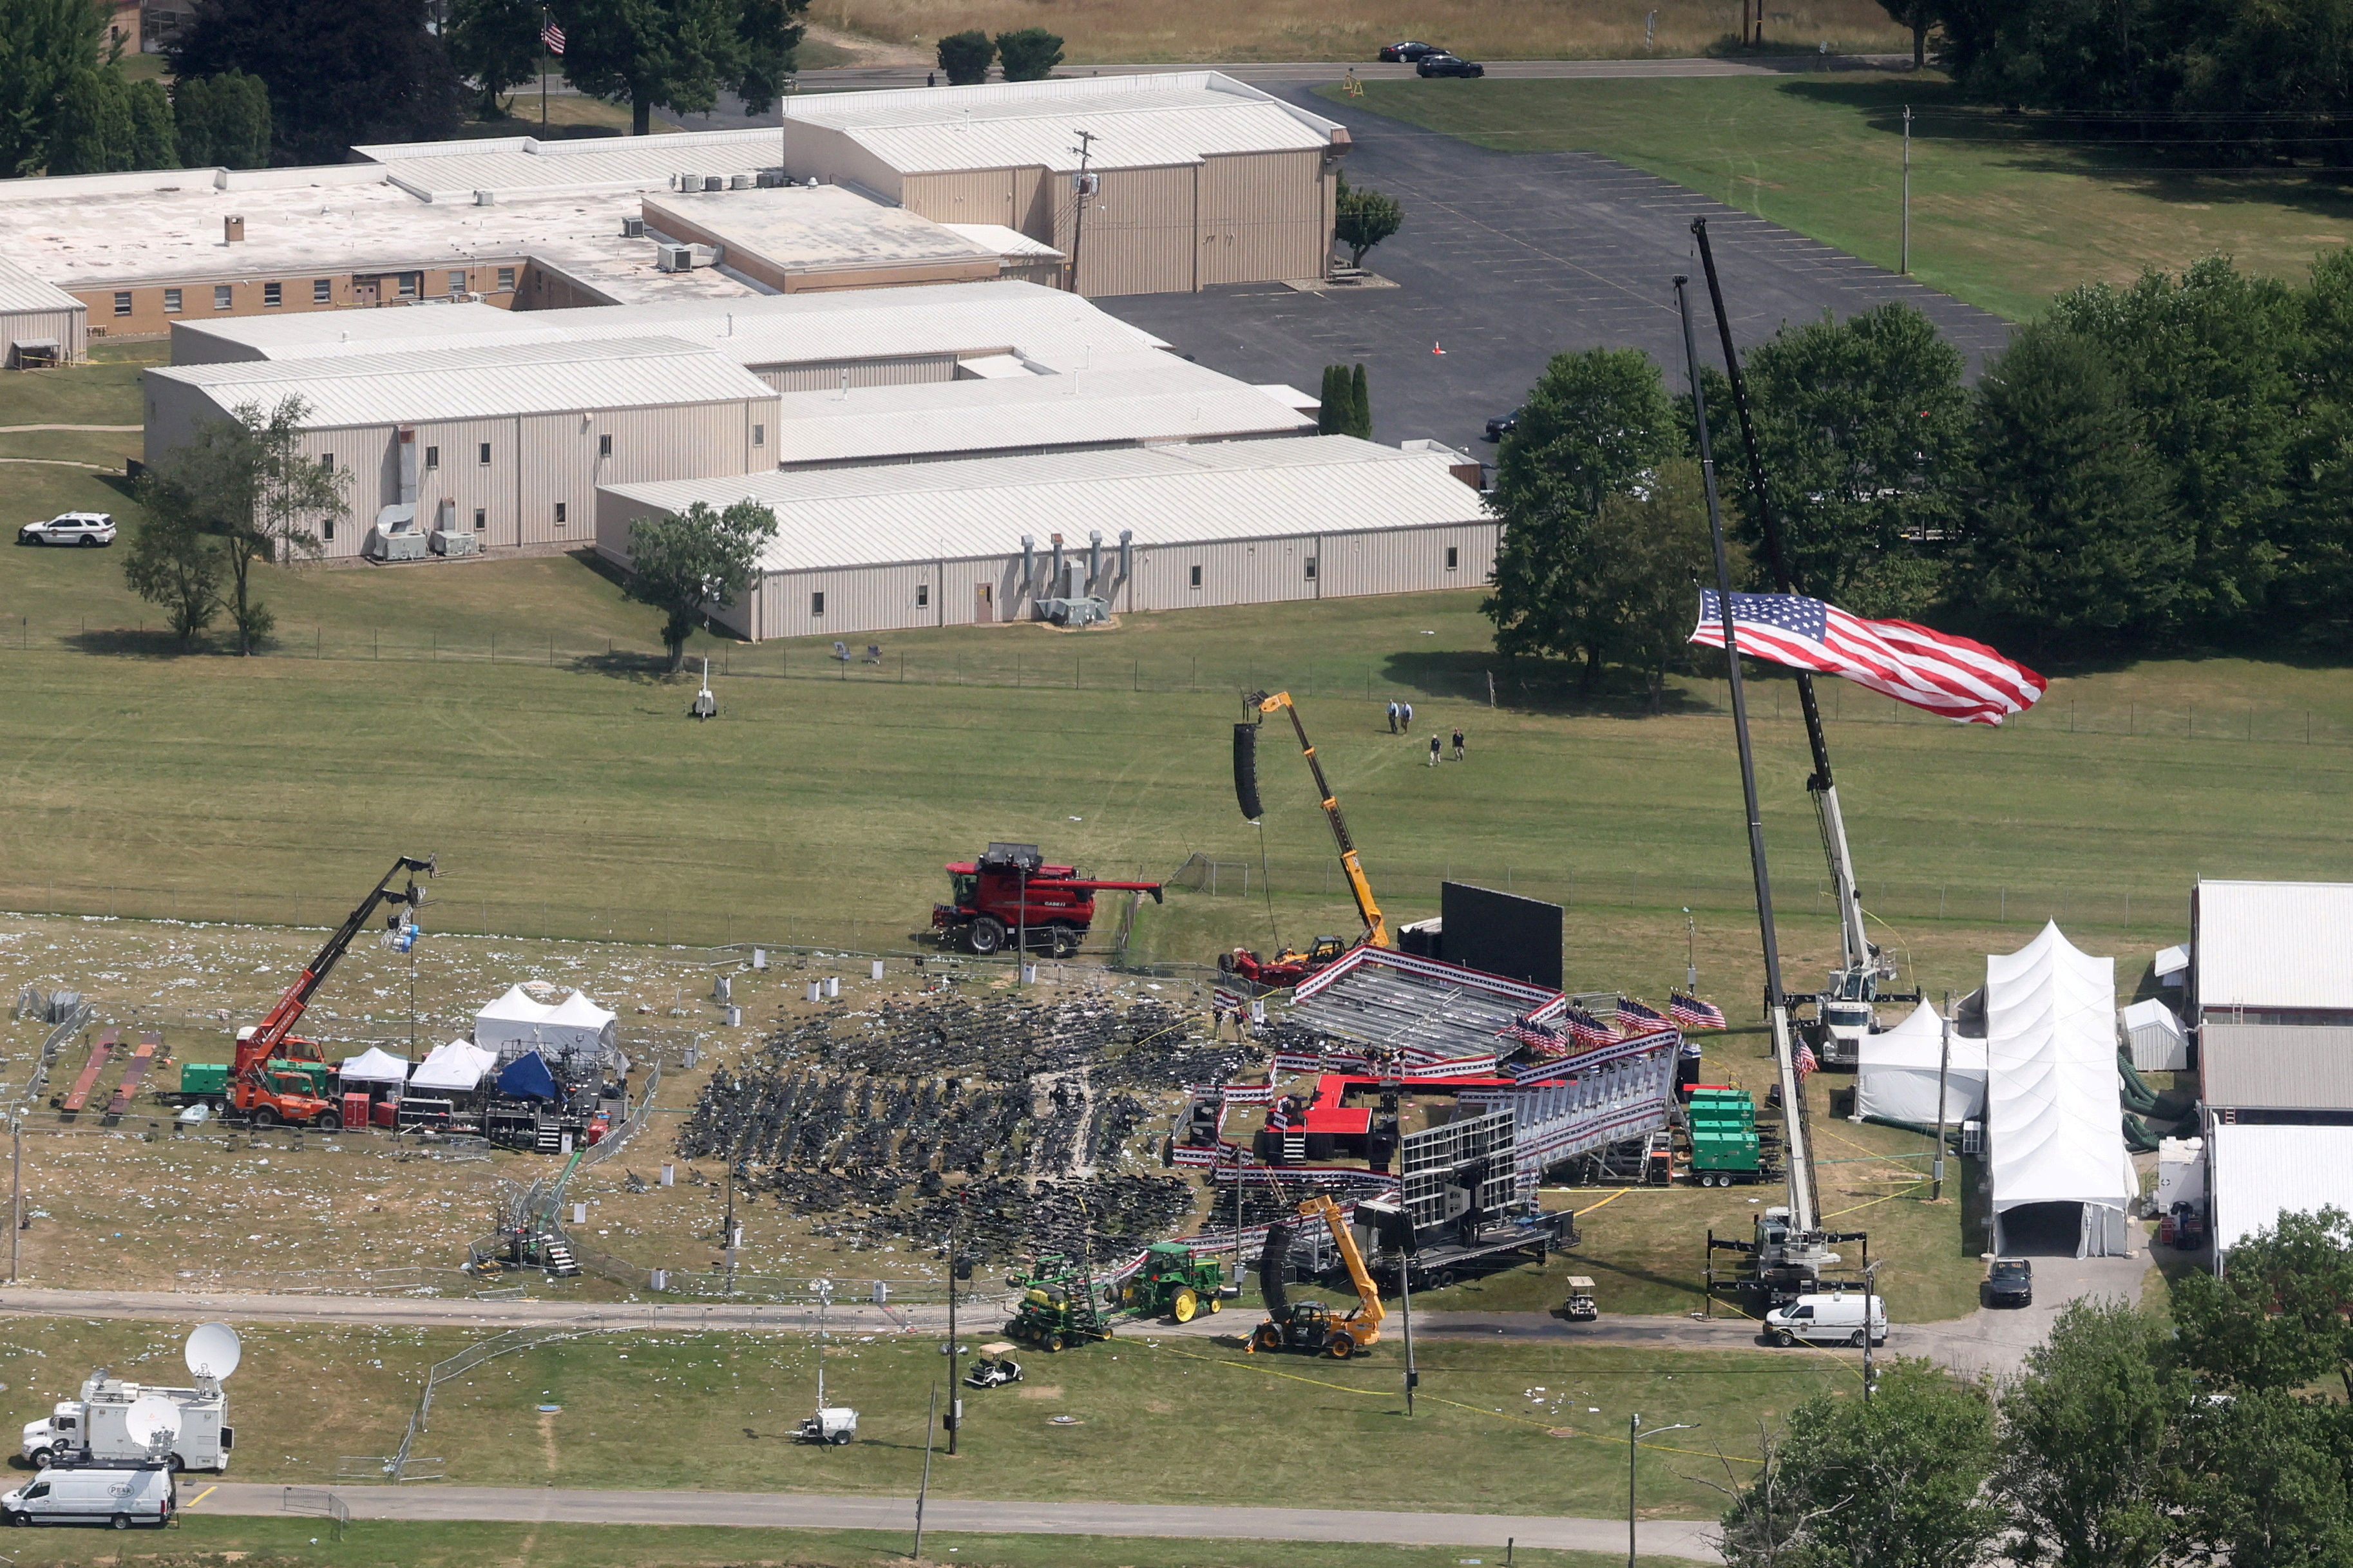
(527, 1077)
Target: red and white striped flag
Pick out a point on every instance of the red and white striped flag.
(1943, 674)
(1804, 1061)
(551, 35)
(1694, 1013)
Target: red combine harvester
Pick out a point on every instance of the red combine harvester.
(267, 1097)
(1010, 895)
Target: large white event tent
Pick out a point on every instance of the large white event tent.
(454, 1067)
(1896, 1073)
(515, 1024)
(2055, 1132)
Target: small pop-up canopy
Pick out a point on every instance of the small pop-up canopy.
(527, 1077)
(1896, 1073)
(454, 1067)
(375, 1064)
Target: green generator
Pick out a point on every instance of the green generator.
(1726, 1148)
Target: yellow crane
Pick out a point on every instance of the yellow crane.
(1312, 1326)
(1377, 925)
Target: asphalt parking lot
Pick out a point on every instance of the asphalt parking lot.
(1506, 259)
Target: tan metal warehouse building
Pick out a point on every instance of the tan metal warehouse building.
(39, 323)
(1199, 178)
(507, 442)
(956, 543)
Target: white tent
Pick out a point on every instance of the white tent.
(515, 1024)
(454, 1067)
(2054, 1132)
(2156, 1037)
(1896, 1073)
(373, 1065)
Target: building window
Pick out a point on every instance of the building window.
(1451, 557)
(604, 445)
(432, 457)
(407, 284)
(457, 283)
(1311, 568)
(273, 294)
(171, 301)
(122, 302)
(327, 530)
(222, 298)
(326, 462)
(922, 594)
(759, 432)
(1196, 576)
(817, 604)
(323, 290)
(559, 514)
(506, 280)
(484, 460)
(482, 520)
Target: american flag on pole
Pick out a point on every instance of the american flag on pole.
(1585, 1029)
(1694, 1013)
(551, 35)
(1542, 1036)
(1943, 674)
(1638, 1018)
(1805, 1062)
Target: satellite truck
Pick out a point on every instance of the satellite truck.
(121, 1425)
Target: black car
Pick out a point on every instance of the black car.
(1502, 424)
(2009, 1283)
(1409, 52)
(1443, 64)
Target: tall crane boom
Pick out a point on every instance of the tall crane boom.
(262, 1042)
(1377, 925)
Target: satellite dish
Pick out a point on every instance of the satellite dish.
(213, 1350)
(152, 1421)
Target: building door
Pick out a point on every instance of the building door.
(984, 603)
(364, 291)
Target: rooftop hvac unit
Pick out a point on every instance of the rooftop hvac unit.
(688, 182)
(739, 182)
(674, 257)
(486, 198)
(714, 181)
(769, 179)
(633, 228)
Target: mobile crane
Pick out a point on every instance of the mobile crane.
(1290, 967)
(267, 1093)
(1312, 1326)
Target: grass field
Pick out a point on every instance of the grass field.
(1518, 1428)
(218, 1542)
(2003, 215)
(1103, 32)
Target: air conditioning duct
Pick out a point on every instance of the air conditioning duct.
(1094, 559)
(1028, 561)
(1127, 552)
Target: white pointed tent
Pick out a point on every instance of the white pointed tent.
(2054, 1130)
(1896, 1073)
(516, 1023)
(454, 1067)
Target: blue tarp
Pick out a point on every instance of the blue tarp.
(527, 1077)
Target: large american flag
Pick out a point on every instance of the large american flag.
(1694, 1013)
(1804, 1061)
(1948, 674)
(1636, 1017)
(552, 37)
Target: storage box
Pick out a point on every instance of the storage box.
(355, 1110)
(386, 1110)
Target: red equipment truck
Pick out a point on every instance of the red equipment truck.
(259, 1089)
(1011, 894)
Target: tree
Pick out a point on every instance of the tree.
(1919, 15)
(679, 54)
(154, 140)
(495, 45)
(1597, 424)
(683, 563)
(337, 75)
(2263, 1479)
(93, 134)
(1029, 54)
(1335, 405)
(2279, 1318)
(1896, 1479)
(173, 561)
(2088, 1443)
(245, 481)
(1863, 427)
(45, 45)
(1362, 219)
(2070, 528)
(222, 121)
(964, 57)
(1648, 550)
(1360, 405)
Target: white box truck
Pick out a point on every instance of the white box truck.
(117, 1498)
(94, 1429)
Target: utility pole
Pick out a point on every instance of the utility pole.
(1085, 187)
(1634, 1435)
(931, 1421)
(1690, 953)
(730, 1238)
(16, 1189)
(1944, 1064)
(955, 1401)
(1906, 266)
(784, 122)
(1870, 1287)
(1405, 1302)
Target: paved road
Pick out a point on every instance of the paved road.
(1663, 1537)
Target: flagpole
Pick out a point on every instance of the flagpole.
(1801, 1176)
(543, 20)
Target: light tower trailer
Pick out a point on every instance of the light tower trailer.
(93, 1430)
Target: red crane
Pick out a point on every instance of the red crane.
(271, 1098)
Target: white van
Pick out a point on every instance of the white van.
(1835, 1319)
(71, 1495)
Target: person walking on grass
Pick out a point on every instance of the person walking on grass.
(1393, 717)
(1405, 717)
(1433, 750)
(1458, 743)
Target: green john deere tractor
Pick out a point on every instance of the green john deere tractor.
(1172, 1283)
(1057, 1307)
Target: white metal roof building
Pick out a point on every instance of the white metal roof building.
(1199, 178)
(507, 442)
(952, 544)
(2272, 953)
(39, 323)
(2254, 1173)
